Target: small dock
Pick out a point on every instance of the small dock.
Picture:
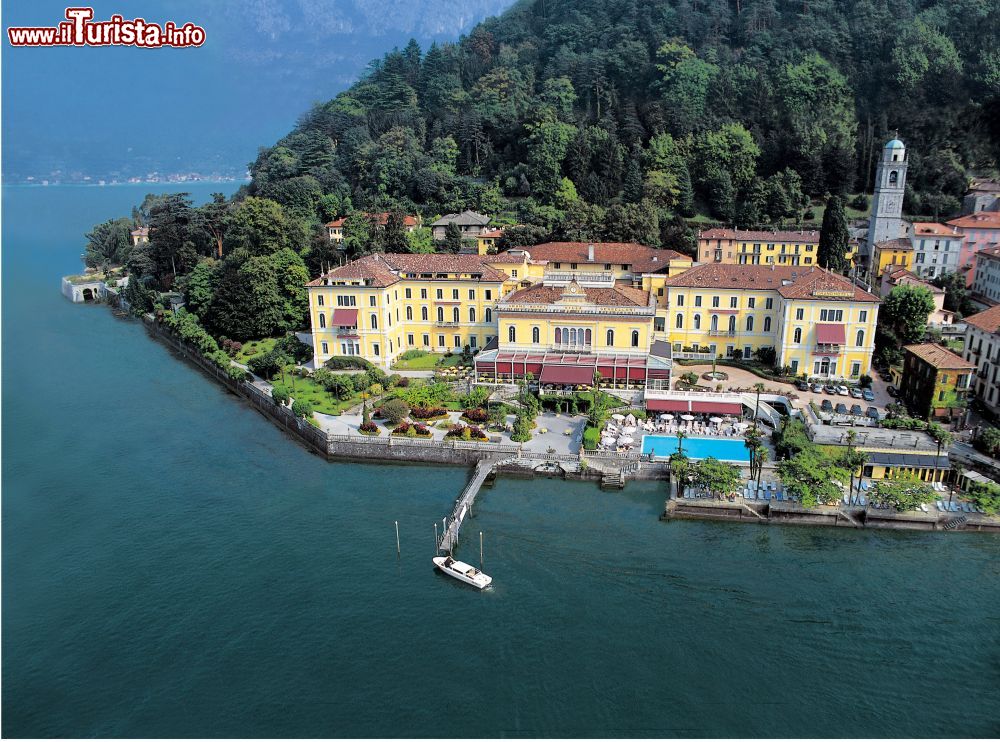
(449, 539)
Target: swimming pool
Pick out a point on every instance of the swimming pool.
(724, 449)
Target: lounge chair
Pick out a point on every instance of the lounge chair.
(780, 495)
(863, 501)
(938, 505)
(864, 485)
(967, 507)
(847, 499)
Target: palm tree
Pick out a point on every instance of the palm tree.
(761, 458)
(681, 435)
(758, 387)
(957, 471)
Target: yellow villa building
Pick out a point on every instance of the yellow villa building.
(623, 310)
(749, 247)
(896, 252)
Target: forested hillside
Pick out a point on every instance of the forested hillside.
(735, 108)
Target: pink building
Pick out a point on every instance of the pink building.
(982, 230)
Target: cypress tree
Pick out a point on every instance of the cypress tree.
(834, 236)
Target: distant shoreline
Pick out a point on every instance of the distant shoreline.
(115, 185)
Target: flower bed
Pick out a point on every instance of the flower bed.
(428, 413)
(369, 428)
(466, 433)
(412, 430)
(475, 417)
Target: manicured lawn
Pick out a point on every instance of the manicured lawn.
(321, 400)
(254, 347)
(428, 362)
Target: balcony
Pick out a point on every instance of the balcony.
(722, 333)
(827, 349)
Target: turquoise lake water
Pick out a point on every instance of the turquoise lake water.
(173, 565)
(724, 449)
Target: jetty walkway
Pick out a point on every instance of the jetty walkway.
(453, 524)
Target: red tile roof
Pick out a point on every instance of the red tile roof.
(618, 296)
(988, 320)
(384, 270)
(381, 219)
(759, 236)
(934, 228)
(898, 275)
(900, 243)
(643, 259)
(979, 220)
(792, 282)
(938, 357)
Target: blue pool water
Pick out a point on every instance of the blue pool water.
(724, 449)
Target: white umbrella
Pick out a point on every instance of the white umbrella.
(715, 420)
(666, 417)
(608, 440)
(618, 416)
(687, 417)
(625, 440)
(630, 419)
(629, 429)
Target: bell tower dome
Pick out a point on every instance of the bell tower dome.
(886, 221)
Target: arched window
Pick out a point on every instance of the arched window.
(489, 315)
(586, 337)
(455, 315)
(611, 336)
(374, 322)
(440, 314)
(635, 338)
(715, 323)
(860, 339)
(697, 322)
(558, 335)
(322, 320)
(511, 334)
(732, 324)
(409, 313)
(535, 335)
(423, 313)
(824, 366)
(767, 324)
(679, 323)
(797, 335)
(572, 336)
(893, 178)
(750, 323)
(472, 314)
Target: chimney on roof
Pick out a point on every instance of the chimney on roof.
(590, 252)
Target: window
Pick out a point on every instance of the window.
(326, 348)
(440, 341)
(860, 339)
(440, 314)
(607, 266)
(679, 323)
(855, 369)
(372, 301)
(732, 324)
(611, 335)
(454, 294)
(750, 323)
(489, 294)
(680, 300)
(319, 299)
(799, 314)
(472, 314)
(409, 313)
(797, 335)
(455, 315)
(375, 349)
(409, 340)
(423, 293)
(573, 266)
(322, 320)
(697, 301)
(863, 316)
(752, 303)
(535, 335)
(795, 366)
(557, 266)
(408, 293)
(659, 324)
(715, 302)
(513, 274)
(458, 341)
(489, 315)
(697, 322)
(893, 176)
(635, 338)
(733, 302)
(768, 303)
(473, 342)
(440, 294)
(511, 334)
(426, 340)
(346, 301)
(767, 324)
(472, 294)
(423, 313)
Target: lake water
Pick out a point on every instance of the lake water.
(173, 565)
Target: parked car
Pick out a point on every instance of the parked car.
(841, 408)
(818, 388)
(856, 392)
(802, 386)
(856, 410)
(886, 376)
(873, 413)
(830, 389)
(892, 391)
(826, 406)
(843, 391)
(868, 395)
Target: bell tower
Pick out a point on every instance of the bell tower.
(886, 221)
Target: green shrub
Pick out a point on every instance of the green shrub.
(302, 408)
(280, 394)
(591, 436)
(348, 362)
(394, 410)
(410, 355)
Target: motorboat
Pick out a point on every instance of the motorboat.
(463, 572)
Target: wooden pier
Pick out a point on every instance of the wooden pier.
(485, 467)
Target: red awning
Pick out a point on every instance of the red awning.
(668, 405)
(345, 318)
(552, 374)
(831, 335)
(718, 408)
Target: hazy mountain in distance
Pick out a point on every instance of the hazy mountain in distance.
(119, 113)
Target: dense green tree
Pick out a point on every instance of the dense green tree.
(452, 238)
(109, 243)
(834, 236)
(257, 225)
(905, 311)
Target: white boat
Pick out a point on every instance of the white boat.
(462, 571)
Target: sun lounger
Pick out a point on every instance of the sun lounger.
(780, 495)
(863, 501)
(846, 499)
(967, 507)
(864, 485)
(938, 505)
